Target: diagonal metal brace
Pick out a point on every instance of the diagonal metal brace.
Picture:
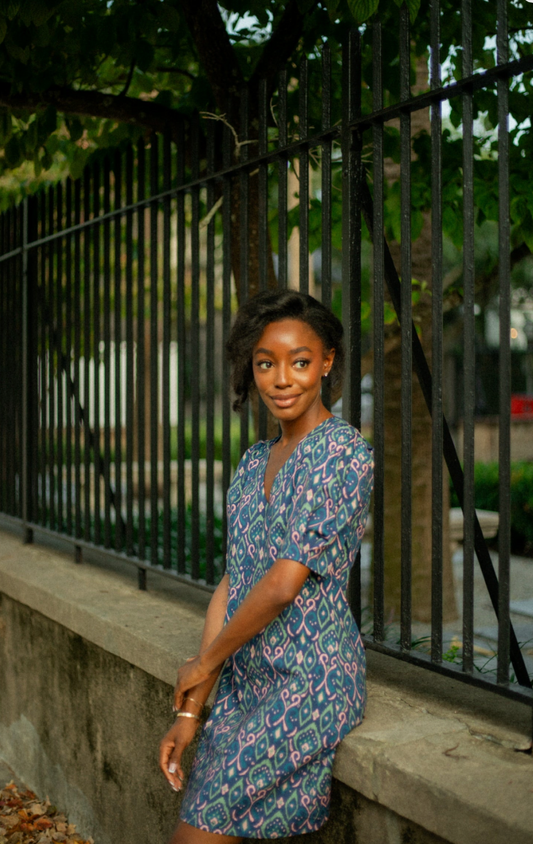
(423, 372)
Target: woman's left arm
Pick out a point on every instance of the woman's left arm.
(265, 601)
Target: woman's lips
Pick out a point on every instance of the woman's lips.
(285, 401)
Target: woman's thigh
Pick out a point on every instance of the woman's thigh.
(187, 834)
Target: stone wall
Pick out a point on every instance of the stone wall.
(86, 671)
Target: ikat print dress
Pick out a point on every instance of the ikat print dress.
(289, 695)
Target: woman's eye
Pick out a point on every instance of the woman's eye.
(301, 364)
(264, 364)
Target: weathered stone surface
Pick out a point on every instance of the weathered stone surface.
(87, 664)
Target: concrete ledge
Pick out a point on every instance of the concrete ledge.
(431, 750)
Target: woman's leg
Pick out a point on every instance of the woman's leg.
(187, 834)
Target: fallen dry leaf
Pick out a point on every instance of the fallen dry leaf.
(24, 819)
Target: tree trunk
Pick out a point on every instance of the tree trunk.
(421, 440)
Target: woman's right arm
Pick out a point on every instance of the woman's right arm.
(182, 732)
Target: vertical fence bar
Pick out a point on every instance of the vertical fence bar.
(17, 368)
(379, 338)
(107, 356)
(141, 373)
(195, 354)
(351, 230)
(130, 376)
(182, 345)
(4, 486)
(282, 182)
(263, 221)
(59, 361)
(97, 469)
(26, 395)
(86, 358)
(325, 279)
(52, 352)
(469, 348)
(20, 355)
(437, 351)
(406, 329)
(68, 357)
(263, 187)
(351, 265)
(303, 161)
(244, 186)
(42, 447)
(3, 359)
(154, 352)
(165, 365)
(77, 356)
(226, 325)
(504, 441)
(117, 336)
(210, 367)
(4, 269)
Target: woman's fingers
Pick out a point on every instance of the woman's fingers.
(168, 762)
(171, 749)
(190, 674)
(175, 770)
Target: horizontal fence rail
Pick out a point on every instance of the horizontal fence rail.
(117, 293)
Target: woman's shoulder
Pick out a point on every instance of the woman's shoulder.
(250, 459)
(342, 440)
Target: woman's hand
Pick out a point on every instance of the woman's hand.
(191, 674)
(171, 750)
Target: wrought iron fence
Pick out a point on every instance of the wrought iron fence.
(117, 292)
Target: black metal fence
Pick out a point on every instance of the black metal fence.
(117, 292)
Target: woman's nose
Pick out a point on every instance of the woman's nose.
(283, 375)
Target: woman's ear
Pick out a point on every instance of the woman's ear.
(328, 362)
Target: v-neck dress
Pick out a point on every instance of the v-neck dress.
(288, 696)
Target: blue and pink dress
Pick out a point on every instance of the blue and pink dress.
(289, 695)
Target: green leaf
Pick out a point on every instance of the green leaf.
(48, 121)
(75, 128)
(6, 125)
(305, 5)
(37, 166)
(32, 136)
(169, 18)
(13, 152)
(3, 28)
(362, 9)
(332, 6)
(11, 8)
(144, 55)
(414, 7)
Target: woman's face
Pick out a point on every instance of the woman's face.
(289, 361)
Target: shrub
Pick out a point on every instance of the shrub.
(486, 496)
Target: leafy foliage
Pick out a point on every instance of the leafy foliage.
(486, 497)
(90, 74)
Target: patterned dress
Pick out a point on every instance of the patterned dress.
(289, 695)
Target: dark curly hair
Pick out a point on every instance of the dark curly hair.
(254, 316)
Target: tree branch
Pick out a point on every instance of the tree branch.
(281, 45)
(128, 80)
(117, 107)
(215, 51)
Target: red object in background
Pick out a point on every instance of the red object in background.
(522, 405)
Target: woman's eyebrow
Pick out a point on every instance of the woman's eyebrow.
(297, 351)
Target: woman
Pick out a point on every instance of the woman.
(278, 625)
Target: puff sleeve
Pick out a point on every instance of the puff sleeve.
(330, 508)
